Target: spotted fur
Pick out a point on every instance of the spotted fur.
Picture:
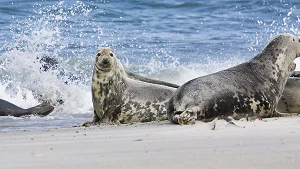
(289, 101)
(123, 97)
(251, 89)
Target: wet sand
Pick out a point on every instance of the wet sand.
(268, 144)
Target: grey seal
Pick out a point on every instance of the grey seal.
(121, 97)
(9, 109)
(289, 101)
(250, 89)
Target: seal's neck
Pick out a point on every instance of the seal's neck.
(277, 58)
(275, 64)
(108, 77)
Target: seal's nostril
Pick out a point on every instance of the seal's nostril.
(105, 61)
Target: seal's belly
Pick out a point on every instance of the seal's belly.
(289, 101)
(237, 105)
(141, 111)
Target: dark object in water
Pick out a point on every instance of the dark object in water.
(9, 109)
(296, 74)
(48, 63)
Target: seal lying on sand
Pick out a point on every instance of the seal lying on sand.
(9, 109)
(250, 89)
(290, 99)
(123, 97)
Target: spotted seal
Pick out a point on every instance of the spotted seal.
(251, 89)
(9, 109)
(120, 96)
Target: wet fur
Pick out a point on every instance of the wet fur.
(122, 97)
(289, 101)
(251, 89)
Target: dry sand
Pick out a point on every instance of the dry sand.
(272, 143)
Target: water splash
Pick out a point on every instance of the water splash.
(288, 22)
(71, 31)
(23, 80)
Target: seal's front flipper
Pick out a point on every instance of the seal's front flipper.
(86, 124)
(292, 66)
(186, 117)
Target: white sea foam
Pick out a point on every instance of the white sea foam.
(21, 70)
(24, 83)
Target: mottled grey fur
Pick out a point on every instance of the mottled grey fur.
(251, 89)
(290, 99)
(123, 97)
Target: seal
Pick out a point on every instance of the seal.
(296, 74)
(121, 97)
(289, 101)
(251, 89)
(9, 109)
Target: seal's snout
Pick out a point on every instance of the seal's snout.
(105, 61)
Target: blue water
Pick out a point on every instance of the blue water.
(171, 40)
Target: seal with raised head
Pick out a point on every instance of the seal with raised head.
(122, 97)
(251, 89)
(9, 109)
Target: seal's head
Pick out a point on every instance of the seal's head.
(105, 59)
(287, 49)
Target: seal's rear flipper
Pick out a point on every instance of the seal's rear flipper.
(42, 109)
(149, 80)
(9, 109)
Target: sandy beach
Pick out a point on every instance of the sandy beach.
(270, 143)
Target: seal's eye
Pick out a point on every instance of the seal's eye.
(111, 54)
(98, 54)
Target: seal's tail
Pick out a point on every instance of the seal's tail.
(42, 109)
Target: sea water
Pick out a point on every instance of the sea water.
(170, 40)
